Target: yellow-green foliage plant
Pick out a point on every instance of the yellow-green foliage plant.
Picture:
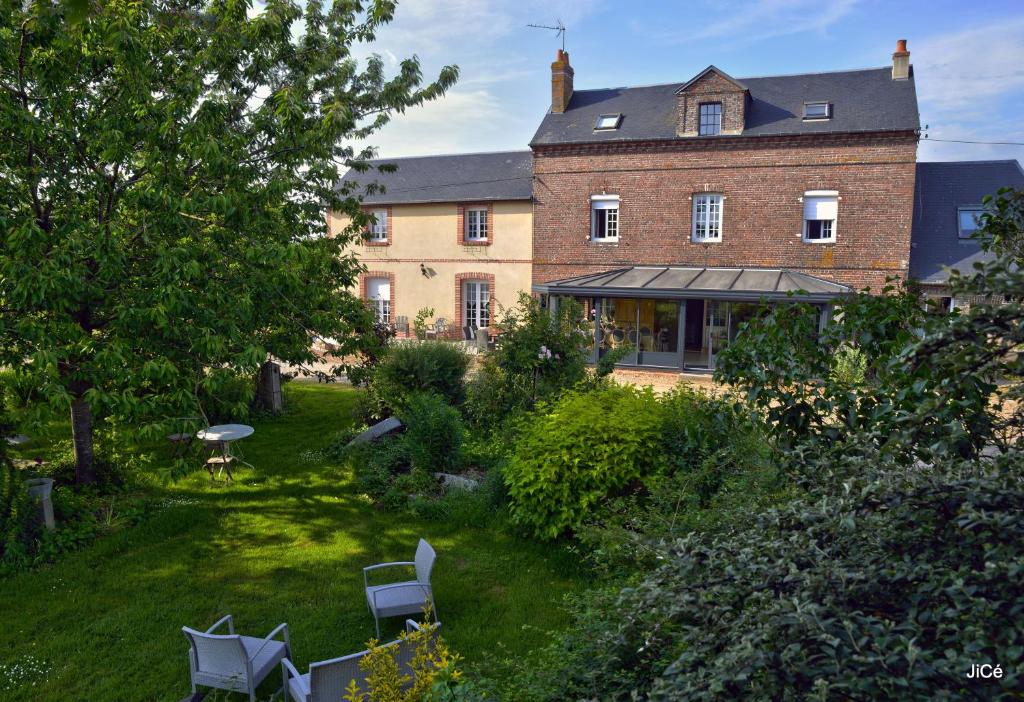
(385, 681)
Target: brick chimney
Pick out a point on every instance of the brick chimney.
(561, 82)
(901, 61)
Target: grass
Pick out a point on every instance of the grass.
(284, 543)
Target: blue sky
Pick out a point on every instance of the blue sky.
(968, 60)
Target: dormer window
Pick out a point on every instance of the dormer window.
(608, 122)
(817, 110)
(710, 119)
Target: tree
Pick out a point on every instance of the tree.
(165, 169)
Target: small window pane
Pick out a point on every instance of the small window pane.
(816, 110)
(604, 215)
(707, 217)
(607, 121)
(379, 229)
(969, 221)
(710, 119)
(819, 229)
(476, 224)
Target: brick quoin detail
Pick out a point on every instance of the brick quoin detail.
(462, 277)
(763, 181)
(460, 233)
(367, 241)
(363, 282)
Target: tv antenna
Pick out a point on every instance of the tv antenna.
(559, 30)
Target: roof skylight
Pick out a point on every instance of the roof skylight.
(817, 110)
(605, 122)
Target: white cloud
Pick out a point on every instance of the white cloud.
(970, 86)
(473, 120)
(745, 22)
(956, 71)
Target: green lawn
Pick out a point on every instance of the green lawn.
(285, 542)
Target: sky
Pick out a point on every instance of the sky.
(968, 60)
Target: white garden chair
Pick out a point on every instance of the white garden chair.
(328, 681)
(233, 662)
(406, 597)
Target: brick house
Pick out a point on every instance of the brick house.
(669, 211)
(452, 233)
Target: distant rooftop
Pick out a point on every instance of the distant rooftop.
(866, 100)
(941, 188)
(504, 175)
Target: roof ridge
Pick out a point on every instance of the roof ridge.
(982, 160)
(739, 79)
(460, 153)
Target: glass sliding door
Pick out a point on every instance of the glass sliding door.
(716, 328)
(695, 351)
(618, 324)
(659, 333)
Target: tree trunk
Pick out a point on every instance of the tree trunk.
(81, 432)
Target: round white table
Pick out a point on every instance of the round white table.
(225, 434)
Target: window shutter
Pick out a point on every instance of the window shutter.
(820, 207)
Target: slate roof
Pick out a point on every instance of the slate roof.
(682, 282)
(942, 187)
(504, 175)
(862, 101)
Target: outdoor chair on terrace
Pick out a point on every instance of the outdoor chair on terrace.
(328, 681)
(405, 597)
(233, 662)
(438, 328)
(402, 324)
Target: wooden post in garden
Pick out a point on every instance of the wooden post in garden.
(268, 388)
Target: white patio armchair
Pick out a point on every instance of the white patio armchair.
(406, 597)
(233, 662)
(328, 681)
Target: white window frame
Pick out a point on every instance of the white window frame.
(820, 195)
(968, 236)
(477, 226)
(610, 207)
(381, 305)
(708, 209)
(609, 122)
(818, 103)
(700, 118)
(476, 303)
(379, 229)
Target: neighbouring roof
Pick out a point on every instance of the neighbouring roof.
(683, 282)
(503, 175)
(942, 187)
(862, 101)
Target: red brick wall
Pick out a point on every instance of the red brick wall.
(762, 180)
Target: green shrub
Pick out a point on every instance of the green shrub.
(540, 355)
(18, 523)
(575, 453)
(884, 582)
(419, 367)
(433, 433)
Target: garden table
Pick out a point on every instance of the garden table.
(225, 434)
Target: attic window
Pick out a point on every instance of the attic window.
(968, 220)
(608, 122)
(817, 110)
